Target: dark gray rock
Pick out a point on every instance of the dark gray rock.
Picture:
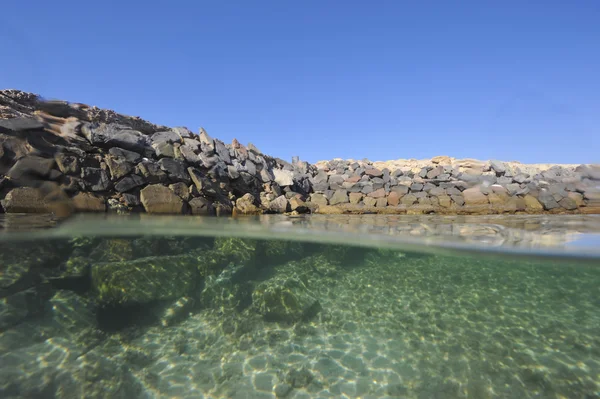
(498, 167)
(96, 179)
(547, 200)
(435, 172)
(164, 149)
(131, 199)
(183, 132)
(130, 156)
(320, 187)
(152, 172)
(30, 166)
(175, 169)
(250, 167)
(200, 206)
(320, 177)
(521, 178)
(339, 197)
(208, 161)
(222, 151)
(114, 135)
(16, 125)
(377, 183)
(219, 171)
(129, 182)
(189, 155)
(168, 136)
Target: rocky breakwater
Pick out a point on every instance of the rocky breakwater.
(447, 185)
(63, 157)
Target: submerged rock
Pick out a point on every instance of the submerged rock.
(144, 280)
(285, 299)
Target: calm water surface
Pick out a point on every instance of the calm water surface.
(321, 307)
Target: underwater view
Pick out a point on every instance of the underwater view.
(282, 307)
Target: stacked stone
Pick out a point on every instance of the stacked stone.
(449, 186)
(154, 169)
(64, 157)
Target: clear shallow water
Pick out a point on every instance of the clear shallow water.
(409, 307)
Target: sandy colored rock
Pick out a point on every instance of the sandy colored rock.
(381, 202)
(577, 197)
(474, 197)
(408, 199)
(87, 202)
(441, 159)
(157, 198)
(25, 200)
(532, 203)
(355, 198)
(445, 201)
(319, 199)
(369, 201)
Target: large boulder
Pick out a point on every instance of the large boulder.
(339, 197)
(25, 200)
(474, 197)
(175, 169)
(157, 198)
(283, 177)
(115, 135)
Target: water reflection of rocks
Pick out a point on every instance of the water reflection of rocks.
(204, 317)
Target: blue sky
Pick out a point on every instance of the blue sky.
(513, 80)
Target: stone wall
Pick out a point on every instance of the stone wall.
(63, 157)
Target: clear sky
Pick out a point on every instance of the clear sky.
(512, 79)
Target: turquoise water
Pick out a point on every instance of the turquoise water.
(331, 307)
